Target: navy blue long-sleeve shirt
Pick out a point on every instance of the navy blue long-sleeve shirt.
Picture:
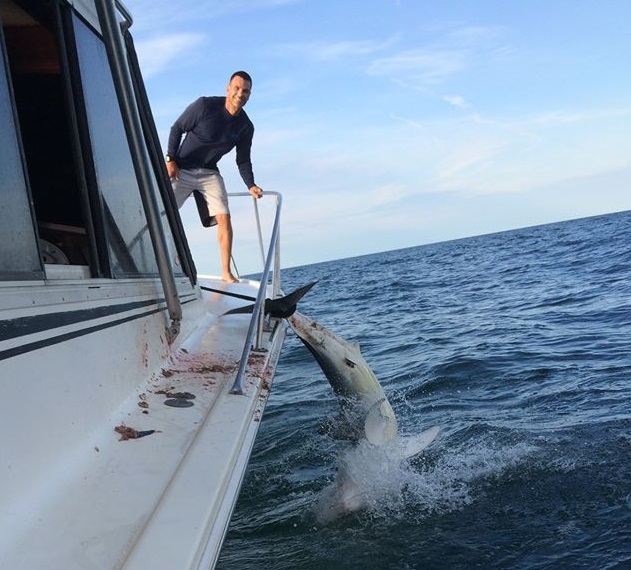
(211, 132)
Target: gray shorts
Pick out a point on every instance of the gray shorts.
(208, 182)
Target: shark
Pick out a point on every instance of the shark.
(366, 412)
(367, 418)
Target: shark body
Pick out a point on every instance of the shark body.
(366, 411)
(366, 473)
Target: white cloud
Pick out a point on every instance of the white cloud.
(387, 194)
(332, 50)
(456, 101)
(444, 53)
(157, 54)
(163, 14)
(430, 66)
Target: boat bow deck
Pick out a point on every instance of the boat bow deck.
(161, 501)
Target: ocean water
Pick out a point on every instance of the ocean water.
(518, 345)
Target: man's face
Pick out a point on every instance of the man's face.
(237, 93)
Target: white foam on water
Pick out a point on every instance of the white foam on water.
(377, 481)
(366, 475)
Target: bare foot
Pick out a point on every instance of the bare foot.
(230, 278)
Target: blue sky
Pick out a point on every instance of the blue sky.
(393, 123)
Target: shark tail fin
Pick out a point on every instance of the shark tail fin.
(280, 308)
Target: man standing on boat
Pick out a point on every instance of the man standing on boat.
(213, 127)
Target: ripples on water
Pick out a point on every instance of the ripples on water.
(517, 345)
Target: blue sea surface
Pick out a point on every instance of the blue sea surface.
(517, 345)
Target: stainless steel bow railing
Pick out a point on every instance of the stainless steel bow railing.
(271, 263)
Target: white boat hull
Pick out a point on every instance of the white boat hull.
(74, 495)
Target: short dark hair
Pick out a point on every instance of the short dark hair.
(243, 75)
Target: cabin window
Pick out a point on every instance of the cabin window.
(69, 195)
(68, 187)
(19, 255)
(129, 241)
(48, 138)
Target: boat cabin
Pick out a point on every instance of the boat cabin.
(70, 190)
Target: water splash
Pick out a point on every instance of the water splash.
(455, 478)
(367, 475)
(381, 484)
